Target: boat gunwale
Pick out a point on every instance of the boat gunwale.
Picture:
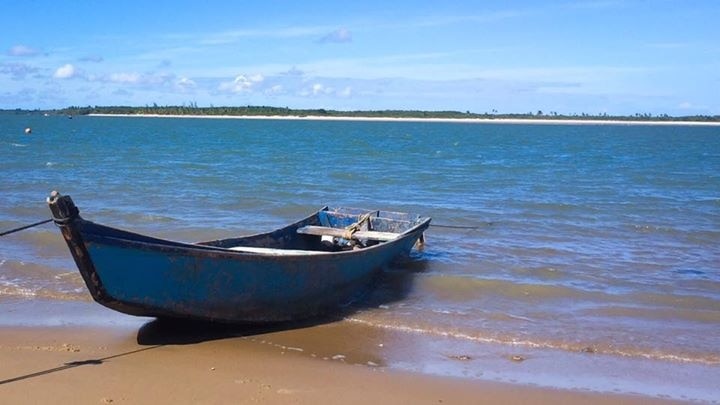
(81, 234)
(196, 248)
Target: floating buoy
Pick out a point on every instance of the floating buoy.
(28, 130)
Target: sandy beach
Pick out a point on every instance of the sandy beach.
(444, 120)
(82, 353)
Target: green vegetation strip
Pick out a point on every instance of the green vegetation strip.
(264, 111)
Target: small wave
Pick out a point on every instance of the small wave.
(711, 359)
(15, 291)
(653, 229)
(11, 290)
(18, 145)
(33, 280)
(72, 275)
(157, 218)
(449, 312)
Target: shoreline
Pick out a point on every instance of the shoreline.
(119, 359)
(532, 121)
(81, 352)
(61, 365)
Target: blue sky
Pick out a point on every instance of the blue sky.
(574, 56)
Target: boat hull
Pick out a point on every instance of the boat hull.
(145, 276)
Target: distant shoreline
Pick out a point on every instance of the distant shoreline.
(548, 121)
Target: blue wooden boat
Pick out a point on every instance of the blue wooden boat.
(309, 268)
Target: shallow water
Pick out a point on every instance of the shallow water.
(586, 240)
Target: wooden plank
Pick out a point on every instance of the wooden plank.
(277, 252)
(340, 233)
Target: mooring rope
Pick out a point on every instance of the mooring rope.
(22, 228)
(351, 229)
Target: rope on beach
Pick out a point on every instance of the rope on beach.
(22, 228)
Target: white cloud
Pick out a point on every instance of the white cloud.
(66, 71)
(226, 37)
(317, 88)
(125, 77)
(149, 80)
(185, 83)
(275, 90)
(346, 92)
(685, 105)
(340, 35)
(22, 50)
(242, 84)
(294, 71)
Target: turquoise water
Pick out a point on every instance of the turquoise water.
(598, 241)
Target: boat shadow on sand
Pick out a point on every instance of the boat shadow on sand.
(392, 285)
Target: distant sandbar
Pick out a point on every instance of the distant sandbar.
(533, 121)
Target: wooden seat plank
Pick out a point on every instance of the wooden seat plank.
(340, 233)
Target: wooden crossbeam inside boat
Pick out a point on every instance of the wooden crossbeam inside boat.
(340, 233)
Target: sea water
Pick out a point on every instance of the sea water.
(588, 246)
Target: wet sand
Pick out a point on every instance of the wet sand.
(79, 352)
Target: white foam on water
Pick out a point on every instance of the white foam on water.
(520, 361)
(711, 360)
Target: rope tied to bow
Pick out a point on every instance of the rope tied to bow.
(22, 228)
(350, 230)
